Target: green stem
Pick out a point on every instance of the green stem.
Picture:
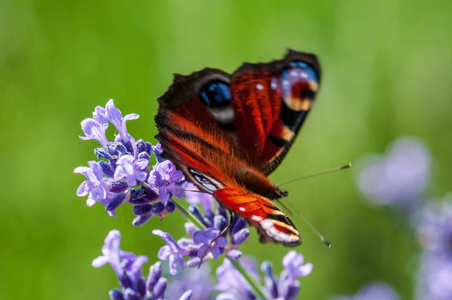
(189, 216)
(252, 282)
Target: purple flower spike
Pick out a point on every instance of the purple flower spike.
(240, 236)
(293, 264)
(158, 208)
(170, 206)
(142, 209)
(116, 295)
(100, 116)
(94, 185)
(140, 220)
(398, 178)
(232, 284)
(115, 203)
(94, 131)
(234, 254)
(155, 272)
(159, 288)
(204, 237)
(132, 170)
(270, 281)
(166, 178)
(171, 251)
(114, 115)
(110, 252)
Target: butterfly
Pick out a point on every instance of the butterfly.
(228, 132)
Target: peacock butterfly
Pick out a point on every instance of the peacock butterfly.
(227, 133)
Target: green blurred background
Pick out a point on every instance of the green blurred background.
(387, 72)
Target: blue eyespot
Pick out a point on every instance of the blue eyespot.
(295, 80)
(215, 94)
(309, 71)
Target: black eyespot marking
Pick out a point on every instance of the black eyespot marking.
(291, 118)
(215, 94)
(279, 142)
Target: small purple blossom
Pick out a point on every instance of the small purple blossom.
(203, 238)
(128, 268)
(434, 231)
(435, 276)
(167, 180)
(126, 265)
(434, 226)
(100, 116)
(232, 284)
(114, 115)
(293, 263)
(287, 285)
(94, 131)
(94, 186)
(171, 251)
(400, 176)
(130, 169)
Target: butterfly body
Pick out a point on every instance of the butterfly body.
(227, 133)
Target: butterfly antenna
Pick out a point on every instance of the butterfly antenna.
(328, 244)
(231, 219)
(289, 212)
(319, 173)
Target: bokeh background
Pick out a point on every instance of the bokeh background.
(387, 72)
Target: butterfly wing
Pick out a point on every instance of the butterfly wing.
(227, 132)
(271, 101)
(213, 166)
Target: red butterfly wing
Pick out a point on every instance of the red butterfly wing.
(226, 133)
(271, 101)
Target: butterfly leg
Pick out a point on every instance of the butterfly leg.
(231, 220)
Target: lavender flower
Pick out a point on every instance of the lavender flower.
(94, 185)
(114, 115)
(287, 286)
(234, 286)
(128, 267)
(196, 280)
(373, 291)
(434, 229)
(205, 243)
(123, 172)
(434, 226)
(171, 251)
(435, 276)
(205, 239)
(399, 177)
(94, 131)
(166, 178)
(130, 169)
